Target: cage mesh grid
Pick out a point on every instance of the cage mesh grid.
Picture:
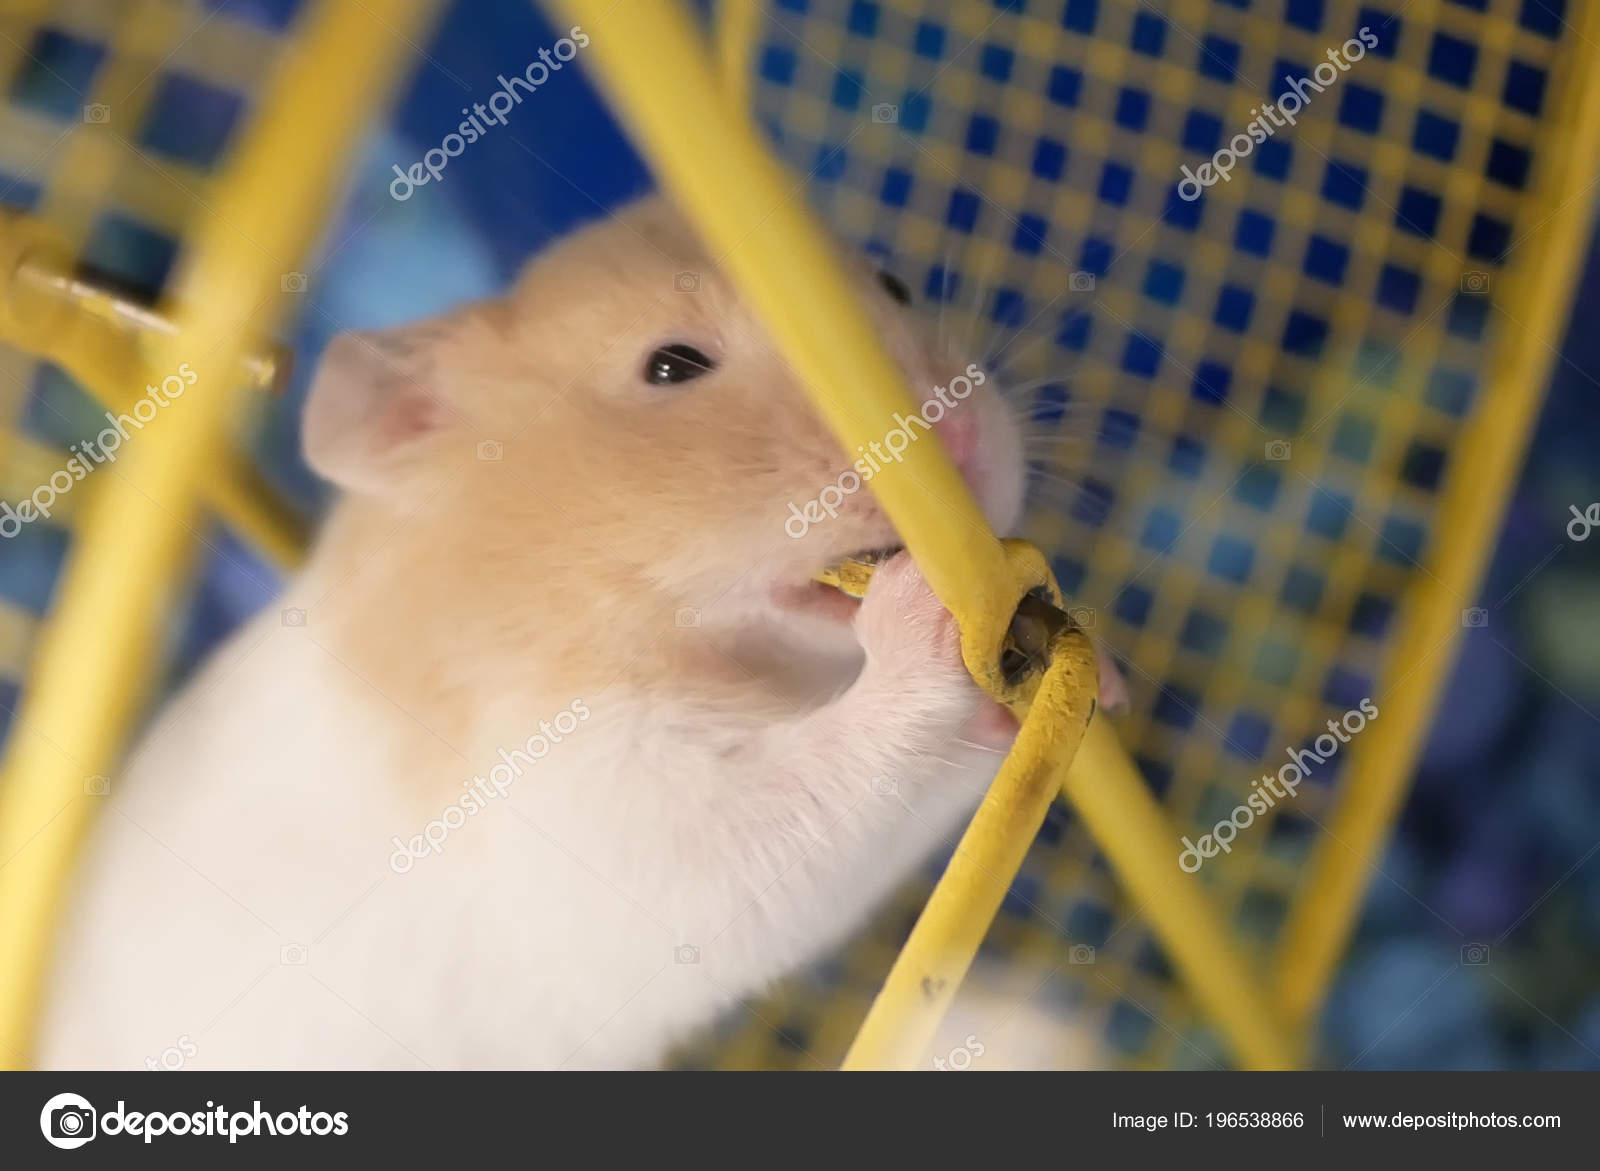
(1246, 403)
(102, 141)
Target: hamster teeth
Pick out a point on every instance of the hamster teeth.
(852, 574)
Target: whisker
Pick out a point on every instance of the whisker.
(984, 286)
(1001, 360)
(1053, 331)
(1020, 388)
(979, 747)
(1003, 334)
(1037, 432)
(1056, 449)
(944, 293)
(1076, 483)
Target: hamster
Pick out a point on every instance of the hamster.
(555, 750)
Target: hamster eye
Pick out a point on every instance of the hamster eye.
(894, 286)
(676, 363)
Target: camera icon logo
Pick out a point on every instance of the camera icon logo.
(67, 1121)
(97, 786)
(1477, 616)
(686, 282)
(1474, 282)
(293, 282)
(1080, 953)
(97, 112)
(1278, 449)
(1081, 282)
(885, 786)
(686, 616)
(885, 112)
(1475, 954)
(1082, 615)
(491, 450)
(293, 954)
(293, 616)
(686, 953)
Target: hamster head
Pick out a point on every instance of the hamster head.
(621, 415)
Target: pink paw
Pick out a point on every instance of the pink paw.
(992, 727)
(1113, 687)
(906, 631)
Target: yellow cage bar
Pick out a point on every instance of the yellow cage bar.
(711, 159)
(92, 666)
(806, 46)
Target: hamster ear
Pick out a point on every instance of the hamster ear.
(371, 404)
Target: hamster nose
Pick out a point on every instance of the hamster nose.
(957, 429)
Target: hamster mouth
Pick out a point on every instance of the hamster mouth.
(850, 574)
(834, 593)
(874, 557)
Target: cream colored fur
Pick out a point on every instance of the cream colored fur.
(757, 769)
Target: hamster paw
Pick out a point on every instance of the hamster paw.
(906, 631)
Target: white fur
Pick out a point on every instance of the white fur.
(258, 816)
(743, 826)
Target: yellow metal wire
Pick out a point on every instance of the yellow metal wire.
(752, 215)
(134, 539)
(976, 98)
(935, 959)
(1536, 292)
(737, 23)
(100, 339)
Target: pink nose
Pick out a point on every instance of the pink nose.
(958, 431)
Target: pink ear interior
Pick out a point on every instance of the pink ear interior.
(369, 404)
(409, 414)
